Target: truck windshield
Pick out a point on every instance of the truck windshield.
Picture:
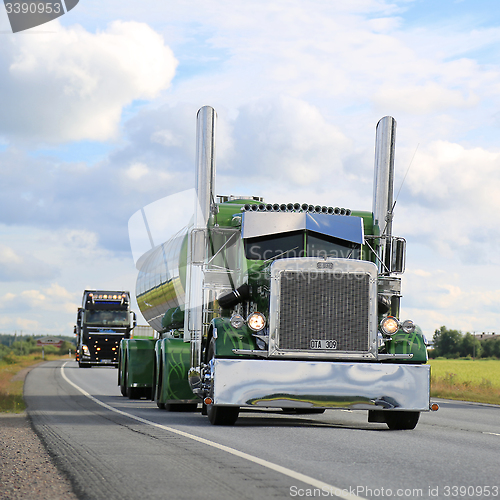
(108, 318)
(299, 244)
(325, 246)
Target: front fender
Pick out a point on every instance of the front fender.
(228, 338)
(408, 343)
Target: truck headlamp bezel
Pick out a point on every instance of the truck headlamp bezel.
(389, 326)
(237, 321)
(408, 326)
(256, 321)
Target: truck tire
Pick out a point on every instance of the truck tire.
(123, 384)
(303, 411)
(219, 415)
(402, 420)
(134, 392)
(186, 407)
(146, 392)
(158, 388)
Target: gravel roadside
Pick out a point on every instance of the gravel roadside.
(27, 471)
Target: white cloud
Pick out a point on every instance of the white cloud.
(286, 138)
(53, 298)
(137, 170)
(421, 100)
(73, 85)
(451, 173)
(23, 266)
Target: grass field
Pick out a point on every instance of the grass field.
(466, 379)
(11, 387)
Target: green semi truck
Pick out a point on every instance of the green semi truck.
(280, 306)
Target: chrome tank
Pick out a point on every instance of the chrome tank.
(161, 281)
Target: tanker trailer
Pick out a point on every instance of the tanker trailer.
(283, 306)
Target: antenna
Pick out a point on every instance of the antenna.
(404, 178)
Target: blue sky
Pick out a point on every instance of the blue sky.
(98, 120)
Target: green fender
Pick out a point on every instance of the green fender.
(229, 338)
(174, 361)
(140, 362)
(122, 355)
(412, 343)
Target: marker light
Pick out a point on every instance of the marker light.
(389, 326)
(408, 326)
(256, 321)
(237, 321)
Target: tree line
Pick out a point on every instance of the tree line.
(22, 345)
(455, 344)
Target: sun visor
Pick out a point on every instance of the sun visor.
(344, 227)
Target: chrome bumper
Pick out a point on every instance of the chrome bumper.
(308, 384)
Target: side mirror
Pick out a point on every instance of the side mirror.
(398, 255)
(134, 320)
(74, 329)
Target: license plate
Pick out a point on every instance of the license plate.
(323, 344)
(105, 361)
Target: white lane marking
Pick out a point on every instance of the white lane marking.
(492, 433)
(339, 492)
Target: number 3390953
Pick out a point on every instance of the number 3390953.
(33, 8)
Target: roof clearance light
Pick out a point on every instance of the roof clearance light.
(389, 326)
(256, 321)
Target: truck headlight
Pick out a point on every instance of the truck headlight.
(85, 349)
(237, 321)
(389, 326)
(408, 326)
(256, 321)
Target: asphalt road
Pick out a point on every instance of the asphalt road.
(112, 447)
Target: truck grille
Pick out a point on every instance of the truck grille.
(104, 347)
(333, 307)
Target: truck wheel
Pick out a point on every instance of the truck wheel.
(146, 392)
(157, 395)
(303, 411)
(186, 407)
(123, 385)
(219, 415)
(222, 415)
(134, 392)
(401, 420)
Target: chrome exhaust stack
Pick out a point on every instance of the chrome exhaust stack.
(204, 205)
(205, 164)
(383, 188)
